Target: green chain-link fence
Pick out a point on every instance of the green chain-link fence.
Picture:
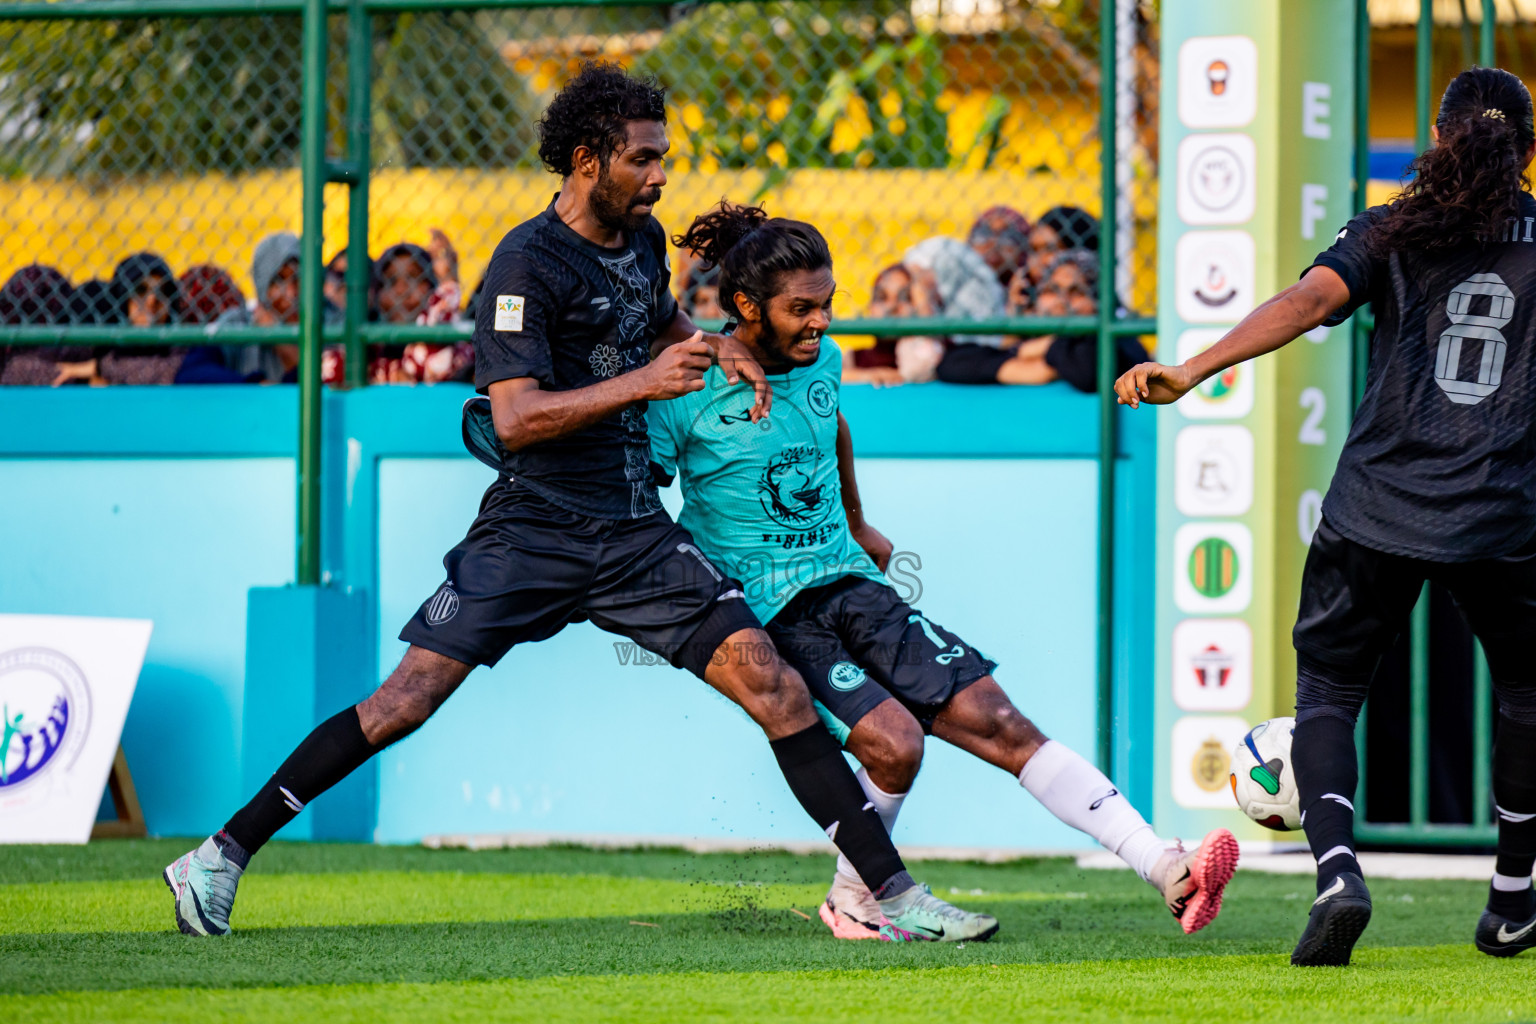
(162, 153)
(887, 123)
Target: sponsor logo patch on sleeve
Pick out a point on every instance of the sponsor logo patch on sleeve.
(509, 312)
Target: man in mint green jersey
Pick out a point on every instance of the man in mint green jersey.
(774, 503)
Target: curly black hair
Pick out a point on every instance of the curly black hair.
(592, 110)
(752, 249)
(1466, 186)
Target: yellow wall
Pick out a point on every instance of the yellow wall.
(869, 217)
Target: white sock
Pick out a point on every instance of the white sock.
(887, 805)
(1510, 883)
(1079, 794)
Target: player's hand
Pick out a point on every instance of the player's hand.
(874, 544)
(739, 364)
(679, 369)
(1154, 384)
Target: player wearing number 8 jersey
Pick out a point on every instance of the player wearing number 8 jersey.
(775, 504)
(1437, 480)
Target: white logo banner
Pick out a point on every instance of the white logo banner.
(65, 686)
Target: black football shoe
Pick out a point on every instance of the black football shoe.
(1338, 918)
(1499, 936)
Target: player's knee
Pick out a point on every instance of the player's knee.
(770, 690)
(894, 759)
(1011, 727)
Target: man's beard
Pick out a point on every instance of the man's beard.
(776, 347)
(614, 210)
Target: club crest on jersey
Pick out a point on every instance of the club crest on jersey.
(819, 397)
(788, 490)
(845, 675)
(443, 606)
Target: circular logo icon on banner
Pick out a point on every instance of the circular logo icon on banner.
(845, 675)
(45, 704)
(1213, 567)
(1211, 766)
(1216, 178)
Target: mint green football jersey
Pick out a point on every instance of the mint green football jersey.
(763, 499)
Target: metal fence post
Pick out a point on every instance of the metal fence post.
(312, 293)
(1108, 301)
(359, 138)
(1486, 54)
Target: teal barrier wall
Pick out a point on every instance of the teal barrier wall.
(993, 490)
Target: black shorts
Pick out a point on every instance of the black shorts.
(858, 644)
(1355, 601)
(527, 567)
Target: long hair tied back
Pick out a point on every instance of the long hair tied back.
(1467, 186)
(752, 249)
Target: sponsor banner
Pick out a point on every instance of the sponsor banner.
(65, 687)
(1216, 179)
(1214, 276)
(1218, 81)
(1213, 471)
(1201, 759)
(1212, 665)
(1256, 134)
(1213, 568)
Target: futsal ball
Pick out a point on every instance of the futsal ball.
(1263, 780)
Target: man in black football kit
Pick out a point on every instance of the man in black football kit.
(575, 332)
(1437, 480)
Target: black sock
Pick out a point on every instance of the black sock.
(1514, 791)
(1323, 754)
(325, 757)
(826, 787)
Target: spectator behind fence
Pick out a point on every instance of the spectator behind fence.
(142, 293)
(965, 286)
(699, 295)
(208, 292)
(898, 293)
(36, 295)
(420, 286)
(336, 285)
(1059, 228)
(1070, 288)
(275, 274)
(1001, 237)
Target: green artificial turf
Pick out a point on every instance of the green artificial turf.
(382, 934)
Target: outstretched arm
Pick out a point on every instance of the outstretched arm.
(526, 415)
(1275, 323)
(870, 539)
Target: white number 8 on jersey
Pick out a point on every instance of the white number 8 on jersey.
(1472, 327)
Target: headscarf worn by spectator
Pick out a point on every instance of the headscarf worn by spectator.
(271, 255)
(93, 302)
(35, 295)
(1001, 236)
(134, 271)
(966, 285)
(420, 362)
(1074, 226)
(209, 291)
